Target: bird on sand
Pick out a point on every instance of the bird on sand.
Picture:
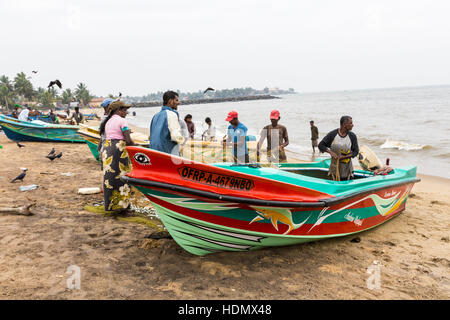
(209, 89)
(51, 152)
(20, 176)
(54, 156)
(57, 82)
(20, 145)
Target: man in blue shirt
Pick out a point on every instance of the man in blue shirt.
(165, 130)
(237, 134)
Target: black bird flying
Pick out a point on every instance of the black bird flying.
(34, 71)
(209, 89)
(20, 176)
(57, 82)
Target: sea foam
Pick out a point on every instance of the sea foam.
(401, 145)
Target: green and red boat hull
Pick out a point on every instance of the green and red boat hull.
(17, 130)
(204, 220)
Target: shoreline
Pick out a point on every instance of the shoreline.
(203, 101)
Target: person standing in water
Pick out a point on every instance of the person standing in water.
(236, 138)
(190, 126)
(210, 133)
(277, 139)
(342, 145)
(314, 136)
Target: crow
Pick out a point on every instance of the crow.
(57, 82)
(20, 176)
(53, 156)
(34, 71)
(51, 152)
(209, 89)
(20, 145)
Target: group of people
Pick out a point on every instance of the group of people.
(168, 133)
(27, 114)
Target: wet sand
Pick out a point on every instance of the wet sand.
(117, 261)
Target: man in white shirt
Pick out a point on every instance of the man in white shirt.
(210, 133)
(23, 116)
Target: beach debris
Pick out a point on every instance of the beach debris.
(20, 176)
(93, 190)
(29, 187)
(51, 152)
(159, 235)
(208, 89)
(20, 145)
(24, 210)
(67, 174)
(356, 240)
(57, 82)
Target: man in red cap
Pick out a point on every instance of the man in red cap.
(237, 138)
(277, 139)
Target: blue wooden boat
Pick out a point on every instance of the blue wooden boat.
(17, 130)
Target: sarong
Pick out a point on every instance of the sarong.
(115, 163)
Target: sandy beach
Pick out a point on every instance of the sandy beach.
(118, 261)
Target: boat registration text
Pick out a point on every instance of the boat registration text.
(214, 179)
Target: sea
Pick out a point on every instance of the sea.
(410, 126)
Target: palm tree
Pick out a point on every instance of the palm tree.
(67, 96)
(46, 99)
(82, 94)
(23, 86)
(7, 94)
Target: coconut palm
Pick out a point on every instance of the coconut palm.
(67, 96)
(7, 94)
(46, 99)
(23, 87)
(82, 94)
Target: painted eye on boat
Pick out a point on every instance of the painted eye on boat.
(142, 158)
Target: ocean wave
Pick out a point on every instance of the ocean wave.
(445, 155)
(401, 145)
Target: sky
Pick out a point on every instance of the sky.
(138, 47)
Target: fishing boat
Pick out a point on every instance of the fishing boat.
(39, 131)
(211, 208)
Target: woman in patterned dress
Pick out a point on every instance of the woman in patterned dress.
(115, 157)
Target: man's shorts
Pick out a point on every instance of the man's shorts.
(315, 142)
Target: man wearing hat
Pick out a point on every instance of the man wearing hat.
(165, 130)
(236, 137)
(277, 139)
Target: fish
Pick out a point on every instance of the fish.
(276, 215)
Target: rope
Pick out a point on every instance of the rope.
(338, 176)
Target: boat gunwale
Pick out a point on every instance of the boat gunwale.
(272, 203)
(38, 126)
